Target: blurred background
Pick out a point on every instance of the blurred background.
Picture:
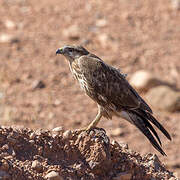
(140, 37)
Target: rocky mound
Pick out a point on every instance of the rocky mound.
(58, 155)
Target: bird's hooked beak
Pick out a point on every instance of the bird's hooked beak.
(59, 51)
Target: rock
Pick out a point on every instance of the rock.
(57, 102)
(117, 132)
(114, 143)
(103, 39)
(51, 115)
(36, 165)
(32, 135)
(98, 157)
(124, 145)
(123, 176)
(144, 80)
(101, 23)
(53, 175)
(85, 155)
(38, 84)
(164, 98)
(8, 38)
(58, 130)
(72, 32)
(5, 38)
(9, 24)
(175, 4)
(67, 134)
(154, 162)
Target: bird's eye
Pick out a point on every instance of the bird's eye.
(70, 50)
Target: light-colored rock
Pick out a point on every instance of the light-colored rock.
(124, 145)
(36, 165)
(175, 4)
(117, 132)
(143, 80)
(51, 115)
(58, 130)
(123, 176)
(5, 38)
(32, 135)
(103, 39)
(9, 38)
(38, 84)
(72, 32)
(67, 134)
(114, 143)
(57, 102)
(154, 162)
(164, 98)
(101, 23)
(53, 175)
(9, 24)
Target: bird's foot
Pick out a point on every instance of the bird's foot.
(89, 129)
(86, 129)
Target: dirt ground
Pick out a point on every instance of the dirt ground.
(71, 155)
(36, 87)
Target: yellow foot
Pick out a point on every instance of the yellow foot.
(86, 128)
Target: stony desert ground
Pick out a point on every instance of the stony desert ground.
(37, 90)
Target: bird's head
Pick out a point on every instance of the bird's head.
(72, 52)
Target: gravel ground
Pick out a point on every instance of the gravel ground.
(58, 155)
(36, 87)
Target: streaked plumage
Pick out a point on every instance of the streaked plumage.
(108, 87)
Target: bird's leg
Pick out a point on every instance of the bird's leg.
(95, 121)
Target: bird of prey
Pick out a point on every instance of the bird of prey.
(108, 87)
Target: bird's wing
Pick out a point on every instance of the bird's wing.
(110, 84)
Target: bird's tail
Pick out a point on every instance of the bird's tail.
(141, 120)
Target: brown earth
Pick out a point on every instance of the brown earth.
(36, 87)
(25, 154)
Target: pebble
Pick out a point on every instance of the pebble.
(164, 98)
(175, 4)
(58, 130)
(32, 135)
(67, 134)
(114, 143)
(9, 24)
(101, 23)
(38, 84)
(57, 102)
(37, 166)
(53, 175)
(103, 39)
(143, 80)
(117, 132)
(5, 38)
(154, 162)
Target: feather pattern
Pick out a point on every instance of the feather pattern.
(108, 87)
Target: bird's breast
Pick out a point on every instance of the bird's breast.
(78, 75)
